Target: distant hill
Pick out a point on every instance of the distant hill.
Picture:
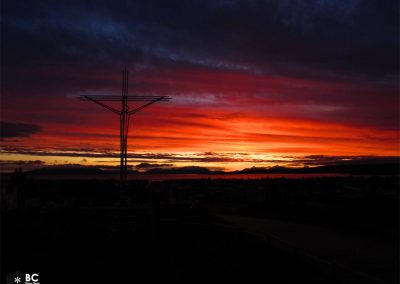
(183, 170)
(93, 170)
(367, 169)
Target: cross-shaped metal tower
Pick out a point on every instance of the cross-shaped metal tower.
(124, 115)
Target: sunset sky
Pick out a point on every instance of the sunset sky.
(253, 83)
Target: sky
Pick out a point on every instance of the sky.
(253, 83)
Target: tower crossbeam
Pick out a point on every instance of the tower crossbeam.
(125, 112)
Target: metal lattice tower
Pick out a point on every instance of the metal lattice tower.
(124, 115)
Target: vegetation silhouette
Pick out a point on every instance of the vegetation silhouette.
(177, 230)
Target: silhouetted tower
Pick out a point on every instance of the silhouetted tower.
(124, 116)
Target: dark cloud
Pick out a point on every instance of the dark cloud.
(13, 130)
(355, 37)
(21, 163)
(314, 160)
(75, 46)
(145, 166)
(166, 160)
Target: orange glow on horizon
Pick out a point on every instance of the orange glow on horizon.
(266, 117)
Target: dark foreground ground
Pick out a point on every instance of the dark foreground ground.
(202, 231)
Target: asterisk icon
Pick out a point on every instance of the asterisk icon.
(17, 279)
